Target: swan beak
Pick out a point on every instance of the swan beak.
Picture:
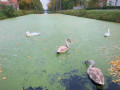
(58, 53)
(86, 61)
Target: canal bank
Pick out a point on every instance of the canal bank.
(112, 16)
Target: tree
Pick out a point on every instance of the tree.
(8, 10)
(49, 5)
(70, 5)
(93, 3)
(65, 4)
(30, 5)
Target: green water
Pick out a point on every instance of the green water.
(33, 62)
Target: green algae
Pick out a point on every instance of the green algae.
(32, 61)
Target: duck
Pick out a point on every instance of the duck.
(32, 34)
(94, 73)
(63, 49)
(107, 34)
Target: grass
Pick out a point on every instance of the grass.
(113, 16)
(21, 13)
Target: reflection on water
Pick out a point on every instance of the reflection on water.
(75, 82)
(36, 88)
(45, 12)
(83, 82)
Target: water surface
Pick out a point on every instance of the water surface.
(31, 63)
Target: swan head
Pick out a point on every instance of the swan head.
(91, 62)
(58, 52)
(68, 40)
(27, 33)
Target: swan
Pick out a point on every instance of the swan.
(94, 73)
(32, 34)
(107, 34)
(63, 49)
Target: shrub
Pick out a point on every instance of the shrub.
(8, 10)
(105, 7)
(2, 15)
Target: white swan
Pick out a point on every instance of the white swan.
(94, 73)
(32, 34)
(107, 34)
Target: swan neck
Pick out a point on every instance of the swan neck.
(92, 64)
(67, 44)
(108, 31)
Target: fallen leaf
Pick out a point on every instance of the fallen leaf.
(116, 47)
(101, 49)
(44, 39)
(106, 56)
(115, 69)
(71, 42)
(63, 58)
(2, 37)
(57, 46)
(0, 67)
(1, 71)
(111, 73)
(69, 55)
(76, 40)
(44, 48)
(76, 50)
(28, 56)
(59, 78)
(4, 78)
(17, 42)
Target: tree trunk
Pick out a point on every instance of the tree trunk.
(52, 5)
(60, 5)
(56, 5)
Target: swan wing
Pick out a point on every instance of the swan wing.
(35, 33)
(96, 75)
(62, 49)
(107, 34)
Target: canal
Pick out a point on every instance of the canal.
(31, 63)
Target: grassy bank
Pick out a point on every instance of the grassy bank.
(4, 15)
(113, 16)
